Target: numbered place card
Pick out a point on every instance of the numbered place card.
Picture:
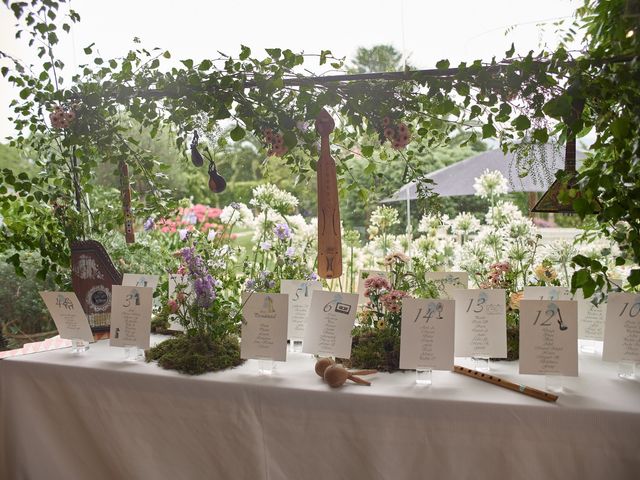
(362, 276)
(481, 323)
(622, 328)
(549, 337)
(446, 282)
(130, 316)
(264, 326)
(427, 337)
(329, 324)
(547, 293)
(590, 318)
(68, 315)
(140, 280)
(299, 292)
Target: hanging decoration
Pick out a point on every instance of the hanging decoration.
(125, 193)
(329, 235)
(196, 158)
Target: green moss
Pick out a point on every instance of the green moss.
(373, 348)
(195, 355)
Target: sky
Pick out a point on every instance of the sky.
(425, 31)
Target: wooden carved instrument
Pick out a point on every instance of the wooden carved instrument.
(532, 392)
(125, 193)
(329, 236)
(93, 276)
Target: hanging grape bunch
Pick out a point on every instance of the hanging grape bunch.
(275, 143)
(397, 133)
(63, 117)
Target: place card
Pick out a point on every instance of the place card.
(299, 292)
(68, 315)
(547, 293)
(590, 318)
(264, 326)
(140, 280)
(362, 276)
(130, 316)
(446, 282)
(427, 334)
(549, 337)
(329, 324)
(176, 279)
(481, 323)
(622, 328)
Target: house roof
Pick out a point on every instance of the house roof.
(458, 179)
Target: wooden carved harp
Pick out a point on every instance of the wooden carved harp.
(329, 236)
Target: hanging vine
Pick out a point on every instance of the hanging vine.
(522, 101)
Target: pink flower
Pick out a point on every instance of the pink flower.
(173, 305)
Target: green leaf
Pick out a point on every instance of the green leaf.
(290, 139)
(634, 277)
(187, 63)
(205, 65)
(620, 128)
(509, 53)
(541, 135)
(25, 92)
(88, 50)
(521, 122)
(237, 133)
(367, 151)
(274, 53)
(245, 52)
(323, 56)
(443, 64)
(489, 131)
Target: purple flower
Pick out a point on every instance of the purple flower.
(250, 284)
(313, 276)
(282, 231)
(204, 290)
(235, 205)
(291, 251)
(265, 246)
(184, 234)
(149, 224)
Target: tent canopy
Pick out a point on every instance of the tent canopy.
(458, 179)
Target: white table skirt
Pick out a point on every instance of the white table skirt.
(93, 416)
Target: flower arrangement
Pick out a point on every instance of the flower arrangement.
(376, 337)
(205, 303)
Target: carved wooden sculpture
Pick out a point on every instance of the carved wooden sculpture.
(329, 236)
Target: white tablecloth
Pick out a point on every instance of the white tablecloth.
(93, 416)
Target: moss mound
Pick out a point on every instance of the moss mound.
(375, 349)
(195, 355)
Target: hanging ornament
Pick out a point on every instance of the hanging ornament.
(196, 158)
(329, 234)
(217, 183)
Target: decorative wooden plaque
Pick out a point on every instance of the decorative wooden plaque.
(329, 235)
(92, 276)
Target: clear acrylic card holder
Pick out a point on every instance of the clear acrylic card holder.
(424, 377)
(79, 346)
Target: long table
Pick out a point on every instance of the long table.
(95, 416)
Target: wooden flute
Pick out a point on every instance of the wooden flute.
(532, 392)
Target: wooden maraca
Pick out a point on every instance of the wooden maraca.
(337, 375)
(322, 364)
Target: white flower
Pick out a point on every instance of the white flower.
(430, 223)
(384, 217)
(238, 213)
(491, 184)
(502, 213)
(183, 234)
(269, 196)
(212, 234)
(465, 223)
